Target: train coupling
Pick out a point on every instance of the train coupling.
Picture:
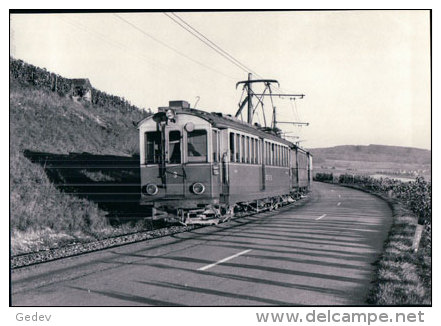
(203, 216)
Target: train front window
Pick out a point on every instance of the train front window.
(152, 147)
(197, 146)
(174, 147)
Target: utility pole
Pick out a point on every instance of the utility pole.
(274, 117)
(250, 102)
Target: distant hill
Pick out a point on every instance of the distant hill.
(373, 153)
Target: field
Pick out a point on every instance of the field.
(374, 160)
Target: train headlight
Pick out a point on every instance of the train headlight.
(170, 114)
(151, 189)
(198, 188)
(189, 126)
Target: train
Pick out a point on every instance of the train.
(198, 167)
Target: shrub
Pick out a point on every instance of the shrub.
(324, 177)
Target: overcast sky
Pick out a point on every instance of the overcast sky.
(366, 74)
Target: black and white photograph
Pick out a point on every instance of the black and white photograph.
(222, 159)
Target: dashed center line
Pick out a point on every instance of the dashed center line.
(224, 260)
(319, 218)
(338, 204)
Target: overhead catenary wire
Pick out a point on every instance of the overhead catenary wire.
(209, 43)
(193, 31)
(190, 29)
(115, 44)
(139, 29)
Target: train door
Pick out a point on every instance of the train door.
(174, 173)
(294, 168)
(216, 175)
(262, 164)
(309, 169)
(227, 145)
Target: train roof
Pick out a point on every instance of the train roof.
(223, 121)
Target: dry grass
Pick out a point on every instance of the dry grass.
(40, 214)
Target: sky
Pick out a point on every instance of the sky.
(365, 74)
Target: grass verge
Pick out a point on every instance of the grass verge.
(403, 277)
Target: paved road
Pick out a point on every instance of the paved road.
(318, 254)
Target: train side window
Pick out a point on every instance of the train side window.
(269, 154)
(214, 143)
(152, 147)
(174, 147)
(238, 148)
(256, 151)
(284, 156)
(232, 145)
(272, 154)
(279, 155)
(259, 152)
(242, 149)
(265, 150)
(197, 146)
(253, 154)
(247, 152)
(266, 154)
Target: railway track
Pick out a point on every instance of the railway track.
(42, 256)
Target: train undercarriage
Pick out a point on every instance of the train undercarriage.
(214, 214)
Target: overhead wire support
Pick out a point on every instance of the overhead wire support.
(295, 123)
(284, 95)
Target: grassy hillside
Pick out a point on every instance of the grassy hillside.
(45, 122)
(373, 159)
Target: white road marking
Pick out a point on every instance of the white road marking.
(320, 217)
(338, 204)
(339, 196)
(224, 260)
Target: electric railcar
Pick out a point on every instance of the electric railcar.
(199, 167)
